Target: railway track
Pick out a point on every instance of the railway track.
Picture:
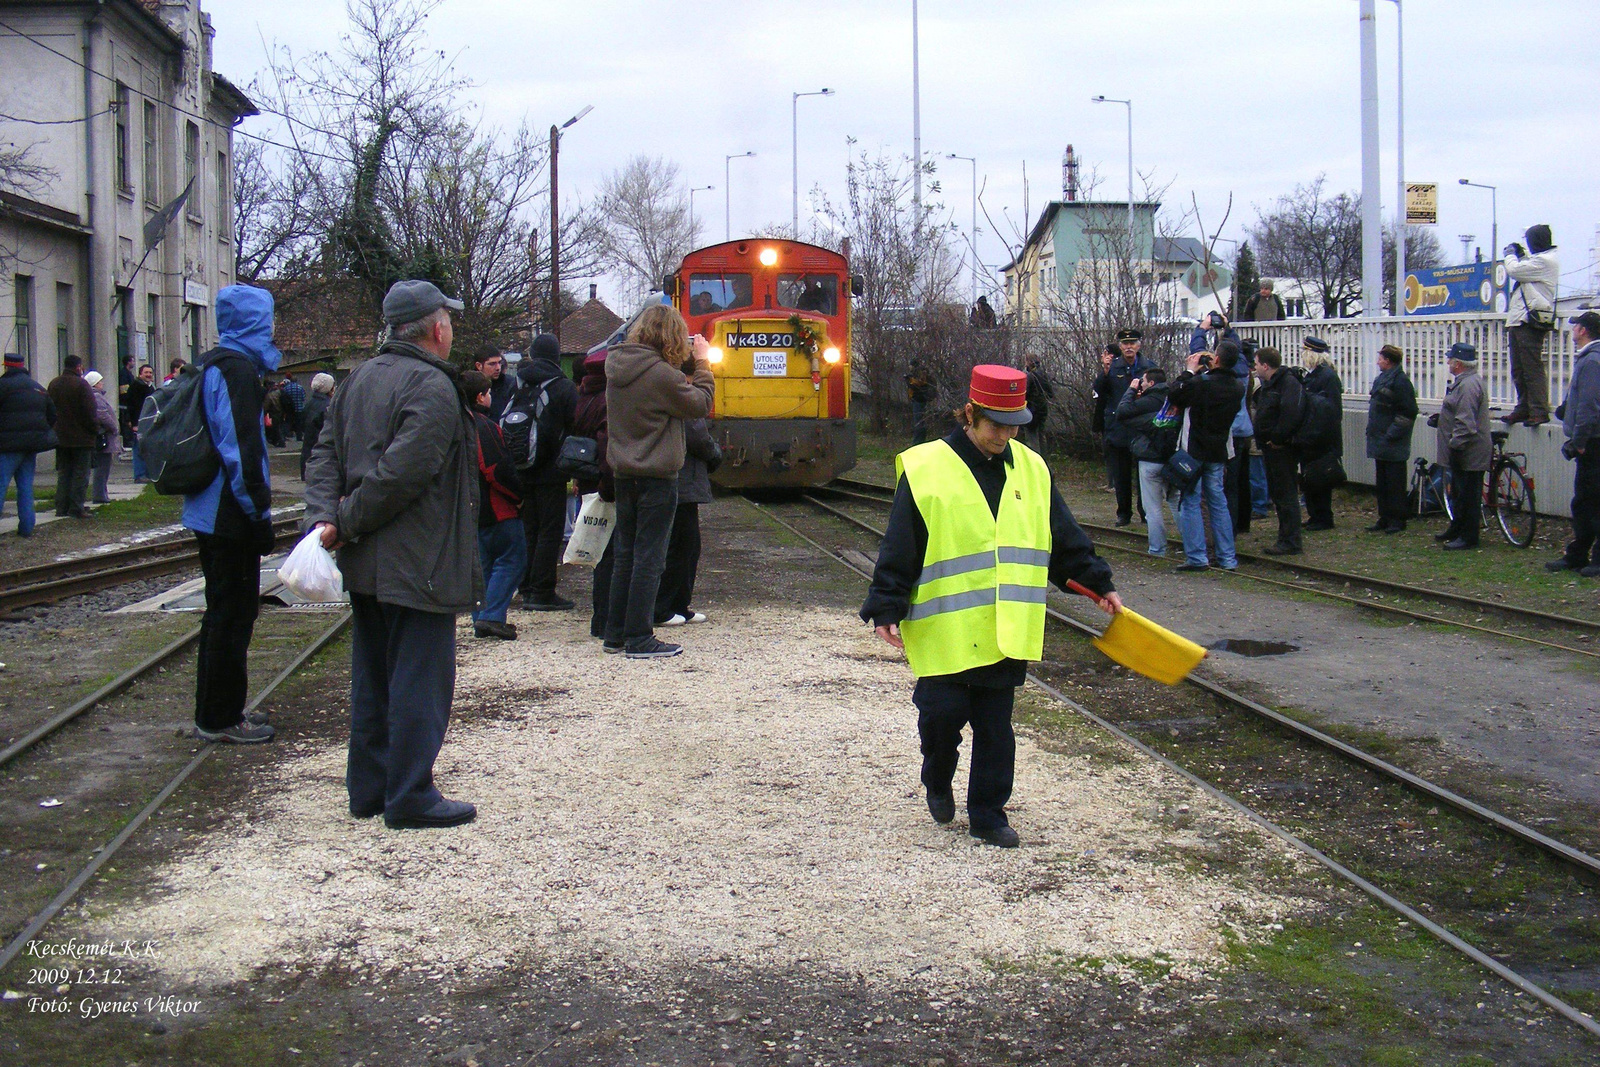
(1575, 860)
(880, 495)
(46, 583)
(103, 854)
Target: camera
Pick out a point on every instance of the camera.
(1433, 420)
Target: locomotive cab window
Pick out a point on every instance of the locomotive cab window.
(809, 292)
(711, 293)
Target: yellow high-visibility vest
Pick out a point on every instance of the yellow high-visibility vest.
(981, 595)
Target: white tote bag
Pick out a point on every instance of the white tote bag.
(592, 532)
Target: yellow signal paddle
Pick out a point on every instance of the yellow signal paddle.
(1142, 646)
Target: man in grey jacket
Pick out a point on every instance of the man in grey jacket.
(1580, 418)
(1464, 446)
(393, 483)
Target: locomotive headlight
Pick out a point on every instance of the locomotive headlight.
(769, 257)
(831, 355)
(713, 355)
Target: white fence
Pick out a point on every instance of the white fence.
(1424, 339)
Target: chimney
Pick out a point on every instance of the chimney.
(1069, 174)
(593, 289)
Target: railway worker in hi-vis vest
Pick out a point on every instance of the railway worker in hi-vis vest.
(977, 533)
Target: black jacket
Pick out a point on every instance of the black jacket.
(311, 419)
(501, 390)
(1322, 428)
(1213, 402)
(1136, 413)
(556, 421)
(1040, 393)
(1391, 413)
(1112, 384)
(1278, 409)
(74, 401)
(905, 545)
(27, 414)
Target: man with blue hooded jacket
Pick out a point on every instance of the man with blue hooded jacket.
(232, 517)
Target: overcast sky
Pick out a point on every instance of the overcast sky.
(1229, 96)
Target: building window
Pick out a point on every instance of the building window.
(124, 176)
(194, 333)
(152, 324)
(222, 198)
(24, 318)
(1183, 302)
(191, 166)
(63, 321)
(124, 325)
(152, 175)
(1145, 278)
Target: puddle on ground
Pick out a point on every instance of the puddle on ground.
(1249, 646)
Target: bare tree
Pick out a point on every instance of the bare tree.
(645, 213)
(274, 232)
(20, 172)
(1422, 253)
(1316, 239)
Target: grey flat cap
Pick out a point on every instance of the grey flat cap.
(409, 301)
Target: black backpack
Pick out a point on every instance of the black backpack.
(174, 440)
(520, 425)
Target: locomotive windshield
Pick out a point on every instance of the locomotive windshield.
(711, 293)
(809, 292)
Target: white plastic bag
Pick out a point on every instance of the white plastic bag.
(310, 572)
(592, 532)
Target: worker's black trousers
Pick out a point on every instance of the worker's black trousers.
(943, 708)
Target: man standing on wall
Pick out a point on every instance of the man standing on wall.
(1530, 315)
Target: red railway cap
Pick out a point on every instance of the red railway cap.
(1002, 393)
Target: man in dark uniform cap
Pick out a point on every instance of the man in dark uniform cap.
(1115, 382)
(976, 534)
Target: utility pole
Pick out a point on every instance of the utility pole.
(916, 134)
(794, 133)
(555, 223)
(1400, 158)
(692, 191)
(1371, 198)
(974, 162)
(727, 194)
(1132, 244)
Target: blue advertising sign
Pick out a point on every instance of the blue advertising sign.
(1455, 290)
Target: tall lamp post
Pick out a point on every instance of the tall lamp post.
(916, 133)
(794, 137)
(692, 191)
(1129, 105)
(974, 162)
(1494, 221)
(555, 223)
(727, 194)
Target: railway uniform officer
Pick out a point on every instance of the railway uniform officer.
(976, 533)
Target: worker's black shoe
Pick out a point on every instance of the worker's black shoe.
(242, 733)
(1316, 526)
(942, 806)
(504, 631)
(1457, 545)
(555, 603)
(1281, 549)
(1444, 536)
(1562, 564)
(1000, 836)
(445, 813)
(1190, 568)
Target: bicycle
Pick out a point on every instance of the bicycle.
(1508, 495)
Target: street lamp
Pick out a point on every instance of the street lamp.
(794, 128)
(692, 191)
(974, 162)
(727, 194)
(1129, 105)
(555, 223)
(1494, 221)
(1400, 158)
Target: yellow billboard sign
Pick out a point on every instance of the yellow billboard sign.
(1422, 204)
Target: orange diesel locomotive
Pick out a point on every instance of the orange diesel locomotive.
(777, 316)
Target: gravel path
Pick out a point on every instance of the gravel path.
(752, 803)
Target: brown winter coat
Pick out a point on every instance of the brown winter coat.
(647, 400)
(74, 401)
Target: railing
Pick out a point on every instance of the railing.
(1425, 340)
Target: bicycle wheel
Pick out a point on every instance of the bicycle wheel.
(1439, 476)
(1513, 503)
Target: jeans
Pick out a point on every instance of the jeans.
(504, 552)
(645, 510)
(1528, 374)
(72, 480)
(1260, 498)
(1192, 522)
(919, 422)
(140, 473)
(683, 563)
(402, 679)
(1153, 490)
(544, 518)
(1584, 548)
(19, 465)
(1283, 480)
(943, 708)
(102, 478)
(232, 571)
(1390, 483)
